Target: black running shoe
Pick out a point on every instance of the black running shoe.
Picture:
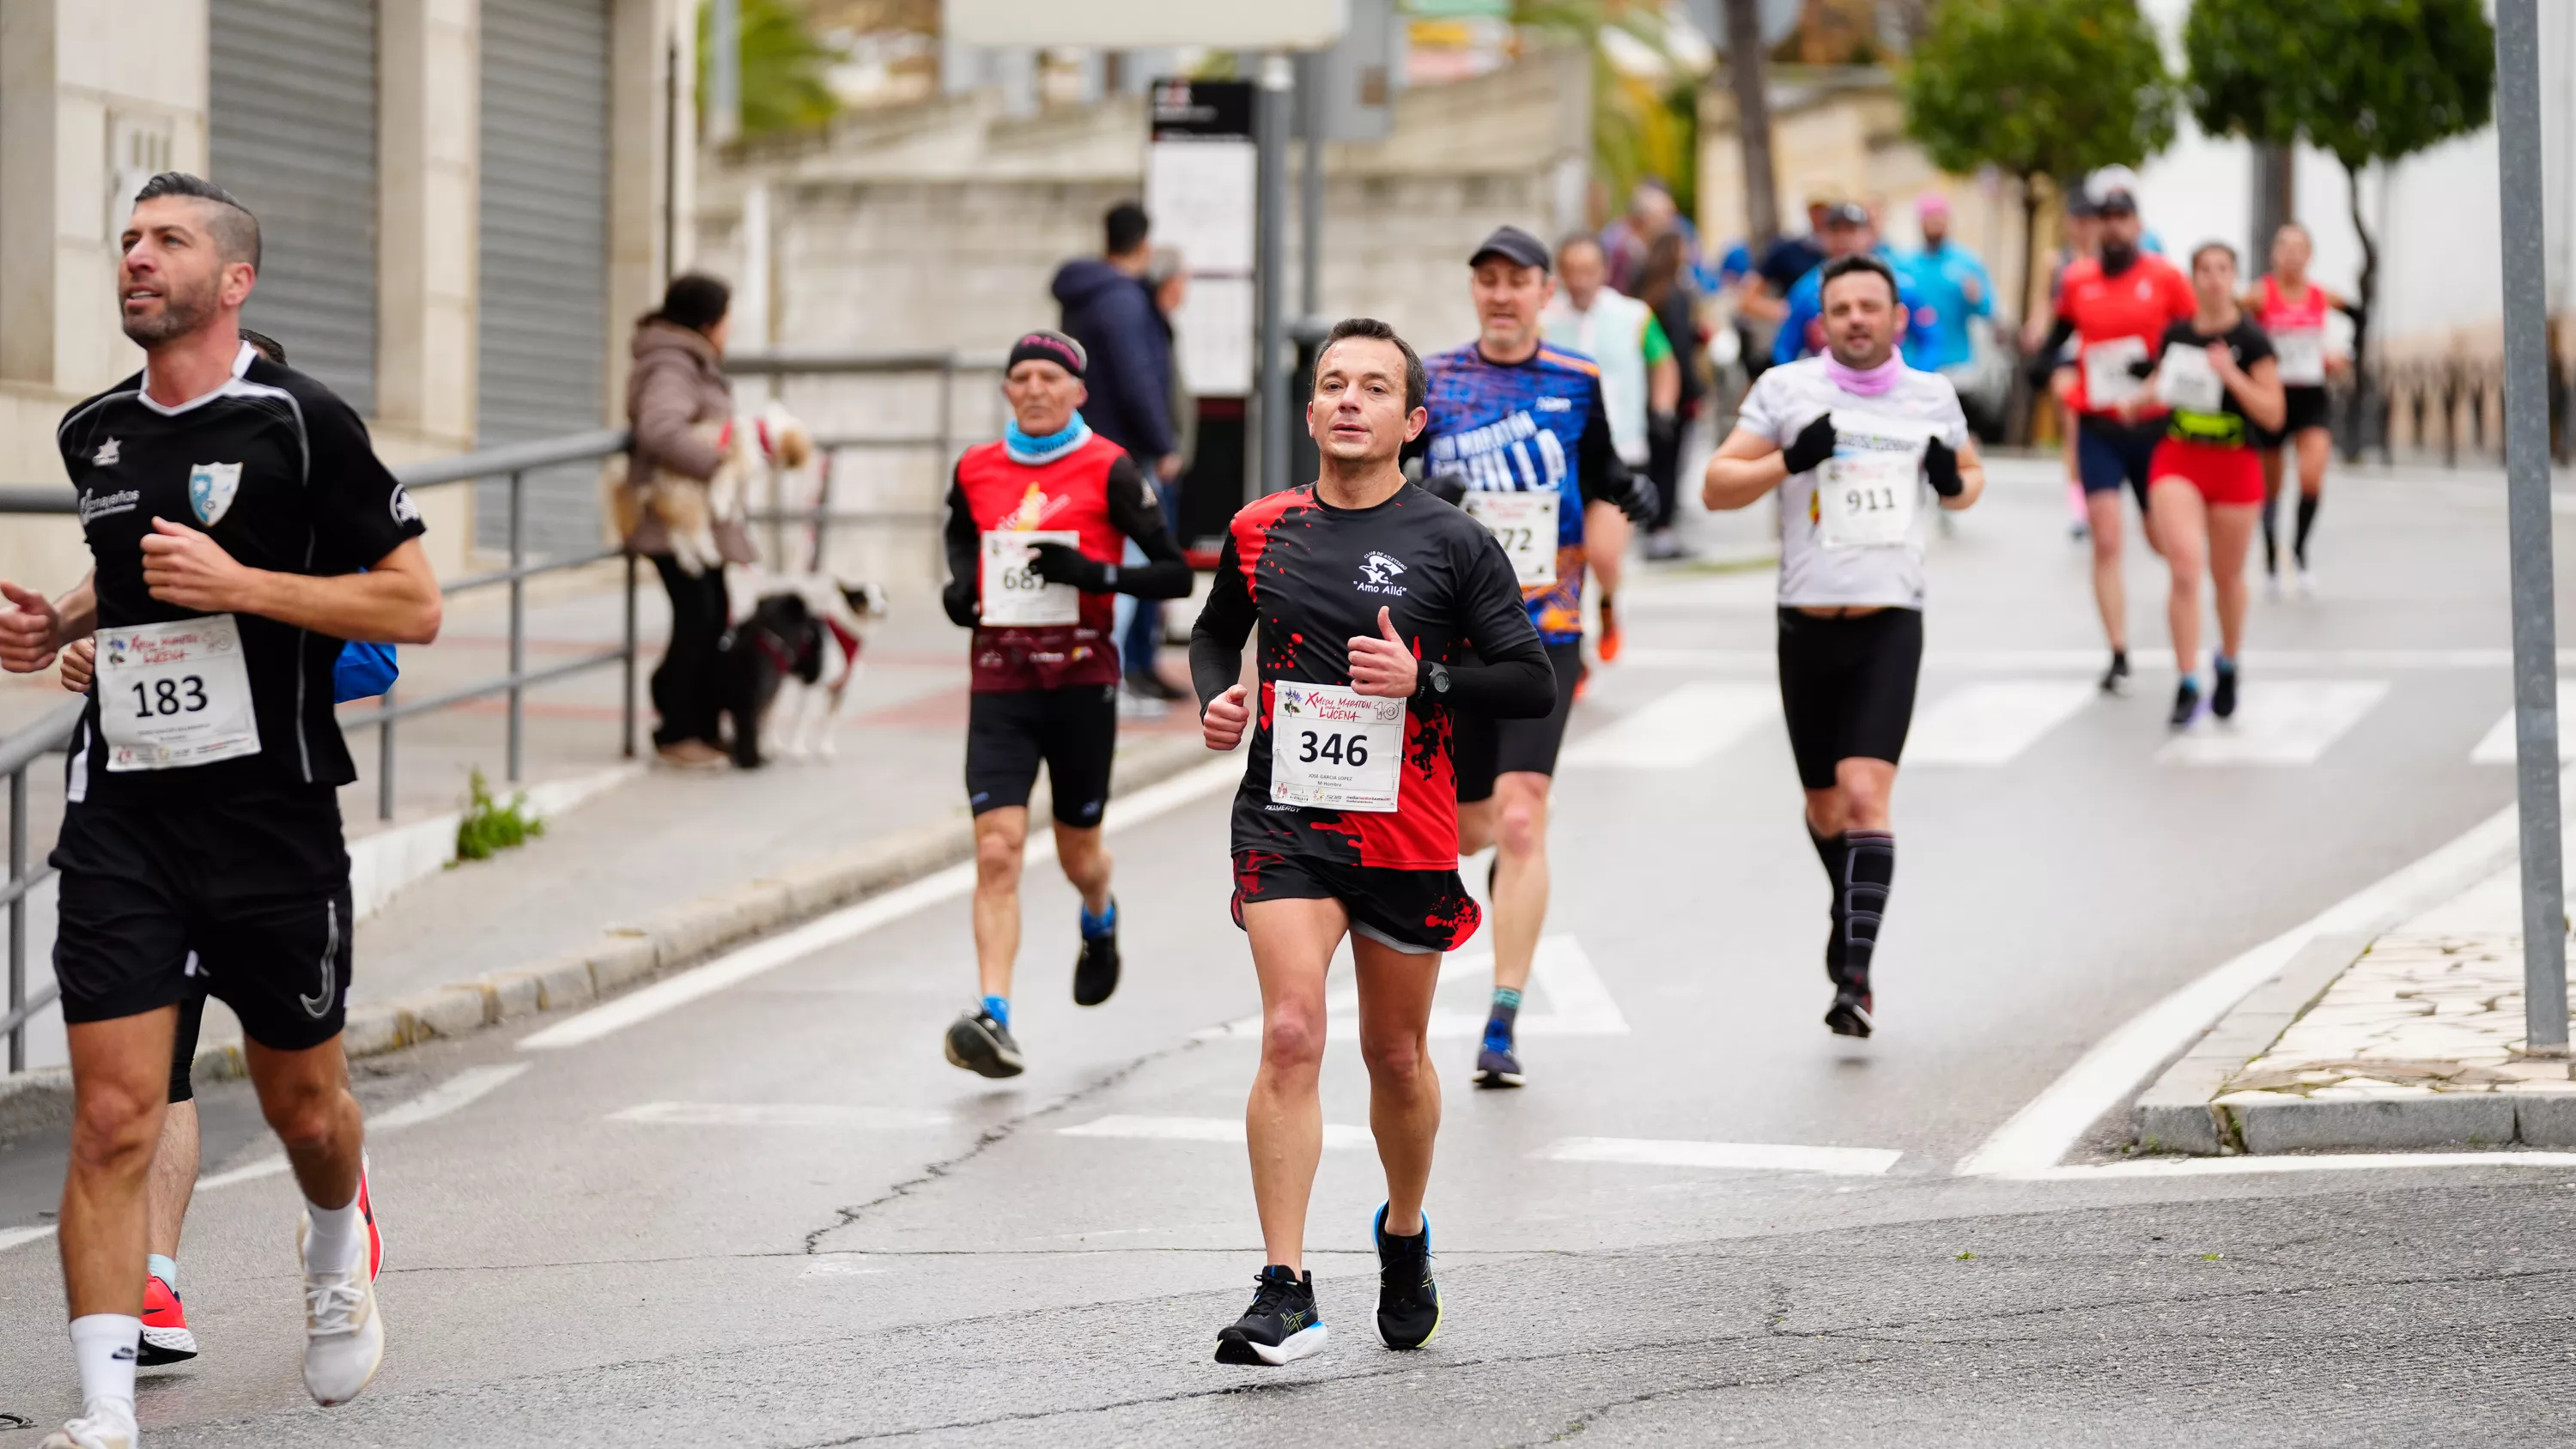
(1281, 1326)
(1095, 971)
(2115, 680)
(1408, 1302)
(983, 1046)
(1849, 1015)
(2222, 696)
(2187, 703)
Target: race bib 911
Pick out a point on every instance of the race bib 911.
(1525, 525)
(1014, 596)
(1334, 748)
(175, 695)
(1868, 493)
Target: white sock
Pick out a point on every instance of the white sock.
(334, 1241)
(103, 1344)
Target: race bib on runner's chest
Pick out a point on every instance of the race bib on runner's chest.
(1868, 492)
(1334, 748)
(1014, 596)
(2107, 379)
(175, 695)
(2187, 383)
(1525, 525)
(2302, 351)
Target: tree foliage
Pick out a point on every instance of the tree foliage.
(2039, 87)
(1640, 127)
(2366, 80)
(782, 69)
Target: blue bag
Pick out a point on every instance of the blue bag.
(363, 671)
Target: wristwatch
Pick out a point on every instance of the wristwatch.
(1434, 682)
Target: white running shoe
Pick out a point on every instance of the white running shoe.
(2307, 582)
(2272, 587)
(344, 1336)
(101, 1428)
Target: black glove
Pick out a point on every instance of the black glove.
(1941, 468)
(1059, 563)
(1809, 450)
(1663, 428)
(1449, 488)
(959, 600)
(2042, 368)
(1637, 500)
(2142, 368)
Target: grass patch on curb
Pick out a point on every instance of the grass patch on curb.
(491, 825)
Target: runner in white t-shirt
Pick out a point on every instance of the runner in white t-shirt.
(1852, 440)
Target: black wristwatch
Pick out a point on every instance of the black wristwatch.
(1433, 683)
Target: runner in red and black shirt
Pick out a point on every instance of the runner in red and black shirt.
(1365, 591)
(1036, 525)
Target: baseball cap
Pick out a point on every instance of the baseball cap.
(2113, 188)
(1847, 213)
(1513, 245)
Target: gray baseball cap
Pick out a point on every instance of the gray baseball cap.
(1513, 245)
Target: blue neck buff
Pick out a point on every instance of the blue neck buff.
(1025, 449)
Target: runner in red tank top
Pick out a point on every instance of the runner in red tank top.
(2291, 309)
(1036, 525)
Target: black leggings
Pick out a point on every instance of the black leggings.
(684, 693)
(1847, 687)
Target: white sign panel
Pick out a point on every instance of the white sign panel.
(1144, 24)
(1201, 197)
(1213, 331)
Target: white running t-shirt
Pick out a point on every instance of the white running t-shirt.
(1854, 559)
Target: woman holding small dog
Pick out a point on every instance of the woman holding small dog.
(677, 386)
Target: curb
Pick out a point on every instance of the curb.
(625, 955)
(2177, 1113)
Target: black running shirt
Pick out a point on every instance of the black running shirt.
(278, 471)
(1312, 576)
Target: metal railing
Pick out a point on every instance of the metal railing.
(21, 750)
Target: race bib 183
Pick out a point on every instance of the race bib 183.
(175, 695)
(1525, 525)
(1334, 748)
(1014, 596)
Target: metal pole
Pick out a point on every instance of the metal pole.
(2527, 513)
(1269, 372)
(17, 916)
(518, 613)
(1310, 200)
(385, 760)
(941, 464)
(626, 696)
(724, 72)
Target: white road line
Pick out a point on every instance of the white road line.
(1201, 1129)
(762, 957)
(1681, 729)
(2497, 747)
(780, 1114)
(2088, 661)
(12, 1237)
(1992, 723)
(1570, 1000)
(1749, 1156)
(2280, 722)
(2248, 1165)
(2042, 1132)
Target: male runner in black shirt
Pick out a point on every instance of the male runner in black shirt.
(1347, 819)
(230, 505)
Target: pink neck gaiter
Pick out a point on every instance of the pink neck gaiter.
(1869, 383)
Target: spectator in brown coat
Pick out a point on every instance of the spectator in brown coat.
(678, 382)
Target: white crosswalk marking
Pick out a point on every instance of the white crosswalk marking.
(1681, 729)
(2497, 747)
(2279, 722)
(1756, 1156)
(1992, 723)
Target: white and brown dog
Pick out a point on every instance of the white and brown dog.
(753, 449)
(786, 669)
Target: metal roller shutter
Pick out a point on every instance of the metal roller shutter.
(292, 132)
(544, 305)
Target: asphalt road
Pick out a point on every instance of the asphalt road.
(772, 1215)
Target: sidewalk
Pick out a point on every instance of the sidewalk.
(657, 868)
(2410, 1039)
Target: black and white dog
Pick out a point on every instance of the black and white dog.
(802, 639)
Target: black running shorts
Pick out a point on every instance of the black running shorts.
(1488, 747)
(1847, 687)
(1074, 730)
(256, 887)
(2304, 408)
(1419, 912)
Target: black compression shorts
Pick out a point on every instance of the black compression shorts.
(1847, 687)
(1488, 747)
(1418, 912)
(1074, 730)
(257, 888)
(2305, 408)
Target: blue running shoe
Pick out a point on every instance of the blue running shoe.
(1497, 1065)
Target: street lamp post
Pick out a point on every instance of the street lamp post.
(2527, 513)
(724, 72)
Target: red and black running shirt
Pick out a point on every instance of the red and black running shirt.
(1095, 491)
(1311, 576)
(2144, 299)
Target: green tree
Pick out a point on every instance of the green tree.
(2363, 80)
(2038, 89)
(782, 69)
(1639, 128)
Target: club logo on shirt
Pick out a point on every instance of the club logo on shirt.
(107, 454)
(211, 487)
(405, 511)
(1375, 572)
(1034, 509)
(95, 506)
(1556, 404)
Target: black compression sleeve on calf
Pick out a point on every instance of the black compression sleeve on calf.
(1831, 852)
(2307, 519)
(1869, 869)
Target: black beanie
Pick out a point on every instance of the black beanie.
(1046, 346)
